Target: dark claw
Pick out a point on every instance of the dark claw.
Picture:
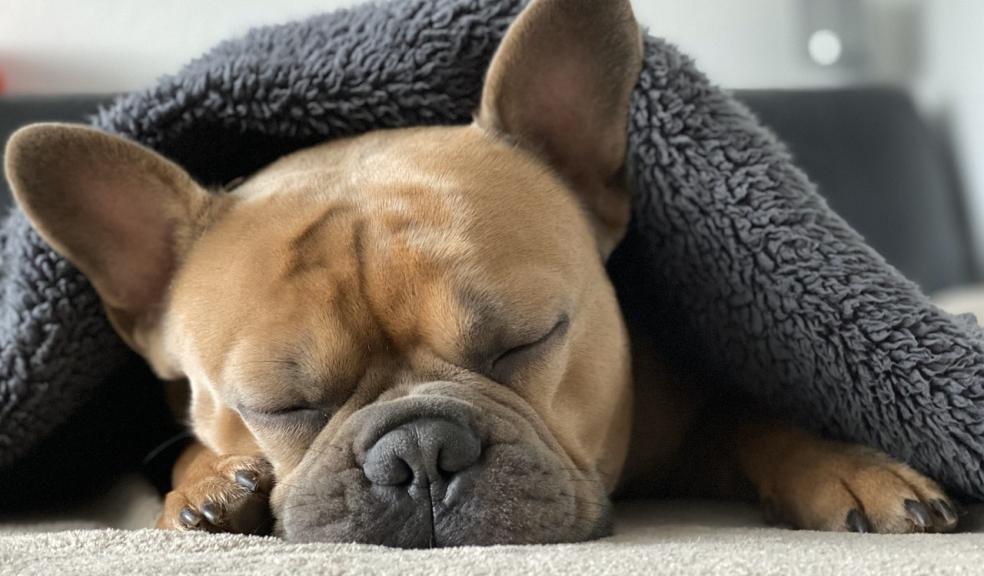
(918, 513)
(945, 510)
(247, 479)
(212, 513)
(189, 517)
(856, 521)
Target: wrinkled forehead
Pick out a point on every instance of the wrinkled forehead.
(401, 237)
(452, 187)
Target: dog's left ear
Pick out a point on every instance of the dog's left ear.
(560, 85)
(124, 215)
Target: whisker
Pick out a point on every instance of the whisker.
(160, 448)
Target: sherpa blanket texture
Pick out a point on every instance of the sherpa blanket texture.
(733, 257)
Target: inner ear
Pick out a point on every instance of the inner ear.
(560, 86)
(121, 213)
(125, 241)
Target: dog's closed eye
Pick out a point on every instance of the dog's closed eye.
(299, 415)
(504, 366)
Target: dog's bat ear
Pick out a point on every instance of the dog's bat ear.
(560, 85)
(121, 213)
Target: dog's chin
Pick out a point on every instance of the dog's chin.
(522, 490)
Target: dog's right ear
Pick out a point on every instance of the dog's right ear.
(121, 213)
(559, 85)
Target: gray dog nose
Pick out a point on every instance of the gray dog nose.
(421, 451)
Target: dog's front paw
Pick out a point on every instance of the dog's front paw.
(851, 488)
(230, 494)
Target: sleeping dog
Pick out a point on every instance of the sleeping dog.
(408, 337)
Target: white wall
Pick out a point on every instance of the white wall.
(51, 46)
(112, 45)
(739, 43)
(953, 87)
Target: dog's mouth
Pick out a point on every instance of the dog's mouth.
(436, 469)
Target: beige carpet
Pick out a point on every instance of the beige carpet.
(680, 537)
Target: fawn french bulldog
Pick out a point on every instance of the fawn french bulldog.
(408, 337)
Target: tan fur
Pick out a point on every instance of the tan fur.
(400, 262)
(812, 483)
(204, 477)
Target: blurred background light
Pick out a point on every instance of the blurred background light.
(825, 47)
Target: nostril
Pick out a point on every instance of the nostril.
(399, 473)
(403, 476)
(387, 464)
(388, 471)
(424, 450)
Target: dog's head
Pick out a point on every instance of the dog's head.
(414, 326)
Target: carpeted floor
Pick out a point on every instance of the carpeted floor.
(676, 537)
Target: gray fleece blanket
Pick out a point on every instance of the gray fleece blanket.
(733, 258)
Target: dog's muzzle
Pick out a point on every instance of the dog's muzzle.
(423, 464)
(432, 470)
